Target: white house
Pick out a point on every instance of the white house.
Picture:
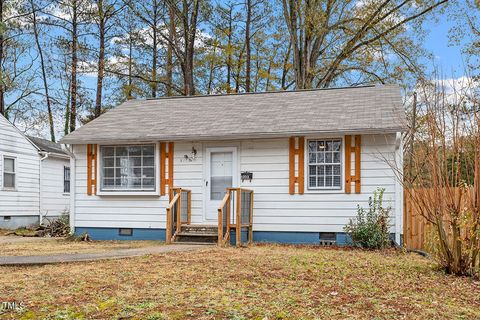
(308, 157)
(34, 180)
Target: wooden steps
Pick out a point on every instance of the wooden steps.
(197, 233)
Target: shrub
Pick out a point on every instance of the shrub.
(370, 227)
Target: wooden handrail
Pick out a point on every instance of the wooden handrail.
(176, 202)
(224, 236)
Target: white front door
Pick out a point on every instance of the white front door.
(220, 174)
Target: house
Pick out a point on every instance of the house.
(299, 163)
(34, 178)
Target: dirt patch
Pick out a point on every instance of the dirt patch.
(25, 246)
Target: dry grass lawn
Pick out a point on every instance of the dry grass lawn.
(39, 246)
(260, 282)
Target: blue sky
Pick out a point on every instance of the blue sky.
(448, 58)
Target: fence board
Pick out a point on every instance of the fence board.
(415, 225)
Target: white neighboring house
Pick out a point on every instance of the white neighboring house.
(34, 178)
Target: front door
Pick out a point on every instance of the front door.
(220, 175)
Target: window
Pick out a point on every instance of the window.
(66, 179)
(128, 168)
(324, 164)
(9, 168)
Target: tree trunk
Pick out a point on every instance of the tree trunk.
(44, 73)
(247, 46)
(66, 129)
(153, 84)
(169, 68)
(2, 82)
(285, 67)
(73, 78)
(229, 55)
(130, 67)
(101, 59)
(238, 71)
(191, 28)
(211, 69)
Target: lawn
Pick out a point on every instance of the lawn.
(43, 246)
(260, 282)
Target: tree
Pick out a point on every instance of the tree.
(152, 14)
(36, 33)
(187, 13)
(105, 11)
(224, 28)
(17, 66)
(444, 179)
(257, 14)
(331, 39)
(70, 16)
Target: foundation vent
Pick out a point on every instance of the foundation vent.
(327, 238)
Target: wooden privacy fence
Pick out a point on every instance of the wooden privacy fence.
(415, 226)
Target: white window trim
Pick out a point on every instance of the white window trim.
(15, 180)
(155, 192)
(337, 190)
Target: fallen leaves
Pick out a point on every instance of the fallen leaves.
(260, 282)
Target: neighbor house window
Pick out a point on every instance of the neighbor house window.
(66, 179)
(324, 164)
(9, 173)
(128, 168)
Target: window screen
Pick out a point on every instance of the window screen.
(324, 164)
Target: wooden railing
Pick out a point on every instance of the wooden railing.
(179, 211)
(240, 218)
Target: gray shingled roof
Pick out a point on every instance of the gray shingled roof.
(47, 145)
(367, 109)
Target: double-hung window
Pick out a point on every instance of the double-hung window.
(128, 168)
(66, 179)
(9, 173)
(324, 163)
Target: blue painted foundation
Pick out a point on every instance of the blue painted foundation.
(286, 237)
(283, 237)
(112, 234)
(244, 236)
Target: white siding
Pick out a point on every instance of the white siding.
(25, 199)
(274, 209)
(54, 201)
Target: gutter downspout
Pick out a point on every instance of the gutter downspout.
(72, 191)
(40, 202)
(399, 187)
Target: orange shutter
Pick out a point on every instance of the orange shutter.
(300, 152)
(91, 169)
(164, 157)
(349, 178)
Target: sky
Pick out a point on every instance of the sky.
(447, 57)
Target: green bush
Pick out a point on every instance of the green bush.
(370, 227)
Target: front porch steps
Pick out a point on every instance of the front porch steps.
(197, 233)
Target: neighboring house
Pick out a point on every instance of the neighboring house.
(34, 178)
(309, 156)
